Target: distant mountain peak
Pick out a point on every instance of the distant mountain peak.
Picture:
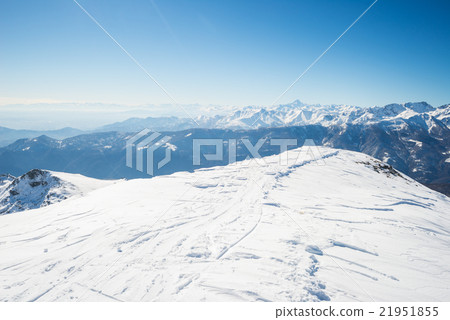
(419, 107)
(298, 103)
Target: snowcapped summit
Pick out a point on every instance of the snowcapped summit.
(34, 189)
(419, 107)
(321, 227)
(40, 188)
(443, 114)
(295, 104)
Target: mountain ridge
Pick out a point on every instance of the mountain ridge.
(293, 114)
(412, 137)
(408, 146)
(252, 117)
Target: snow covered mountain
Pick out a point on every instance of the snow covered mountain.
(409, 146)
(443, 114)
(412, 137)
(293, 114)
(40, 188)
(330, 225)
(296, 113)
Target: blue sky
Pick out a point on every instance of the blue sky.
(225, 52)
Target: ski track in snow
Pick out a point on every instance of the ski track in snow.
(229, 237)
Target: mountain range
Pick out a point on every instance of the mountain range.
(8, 136)
(413, 137)
(296, 113)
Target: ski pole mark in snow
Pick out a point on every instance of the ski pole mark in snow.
(224, 251)
(367, 268)
(105, 295)
(344, 245)
(41, 295)
(314, 250)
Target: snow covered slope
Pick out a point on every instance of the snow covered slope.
(40, 188)
(339, 226)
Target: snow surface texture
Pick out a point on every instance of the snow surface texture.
(337, 226)
(40, 188)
